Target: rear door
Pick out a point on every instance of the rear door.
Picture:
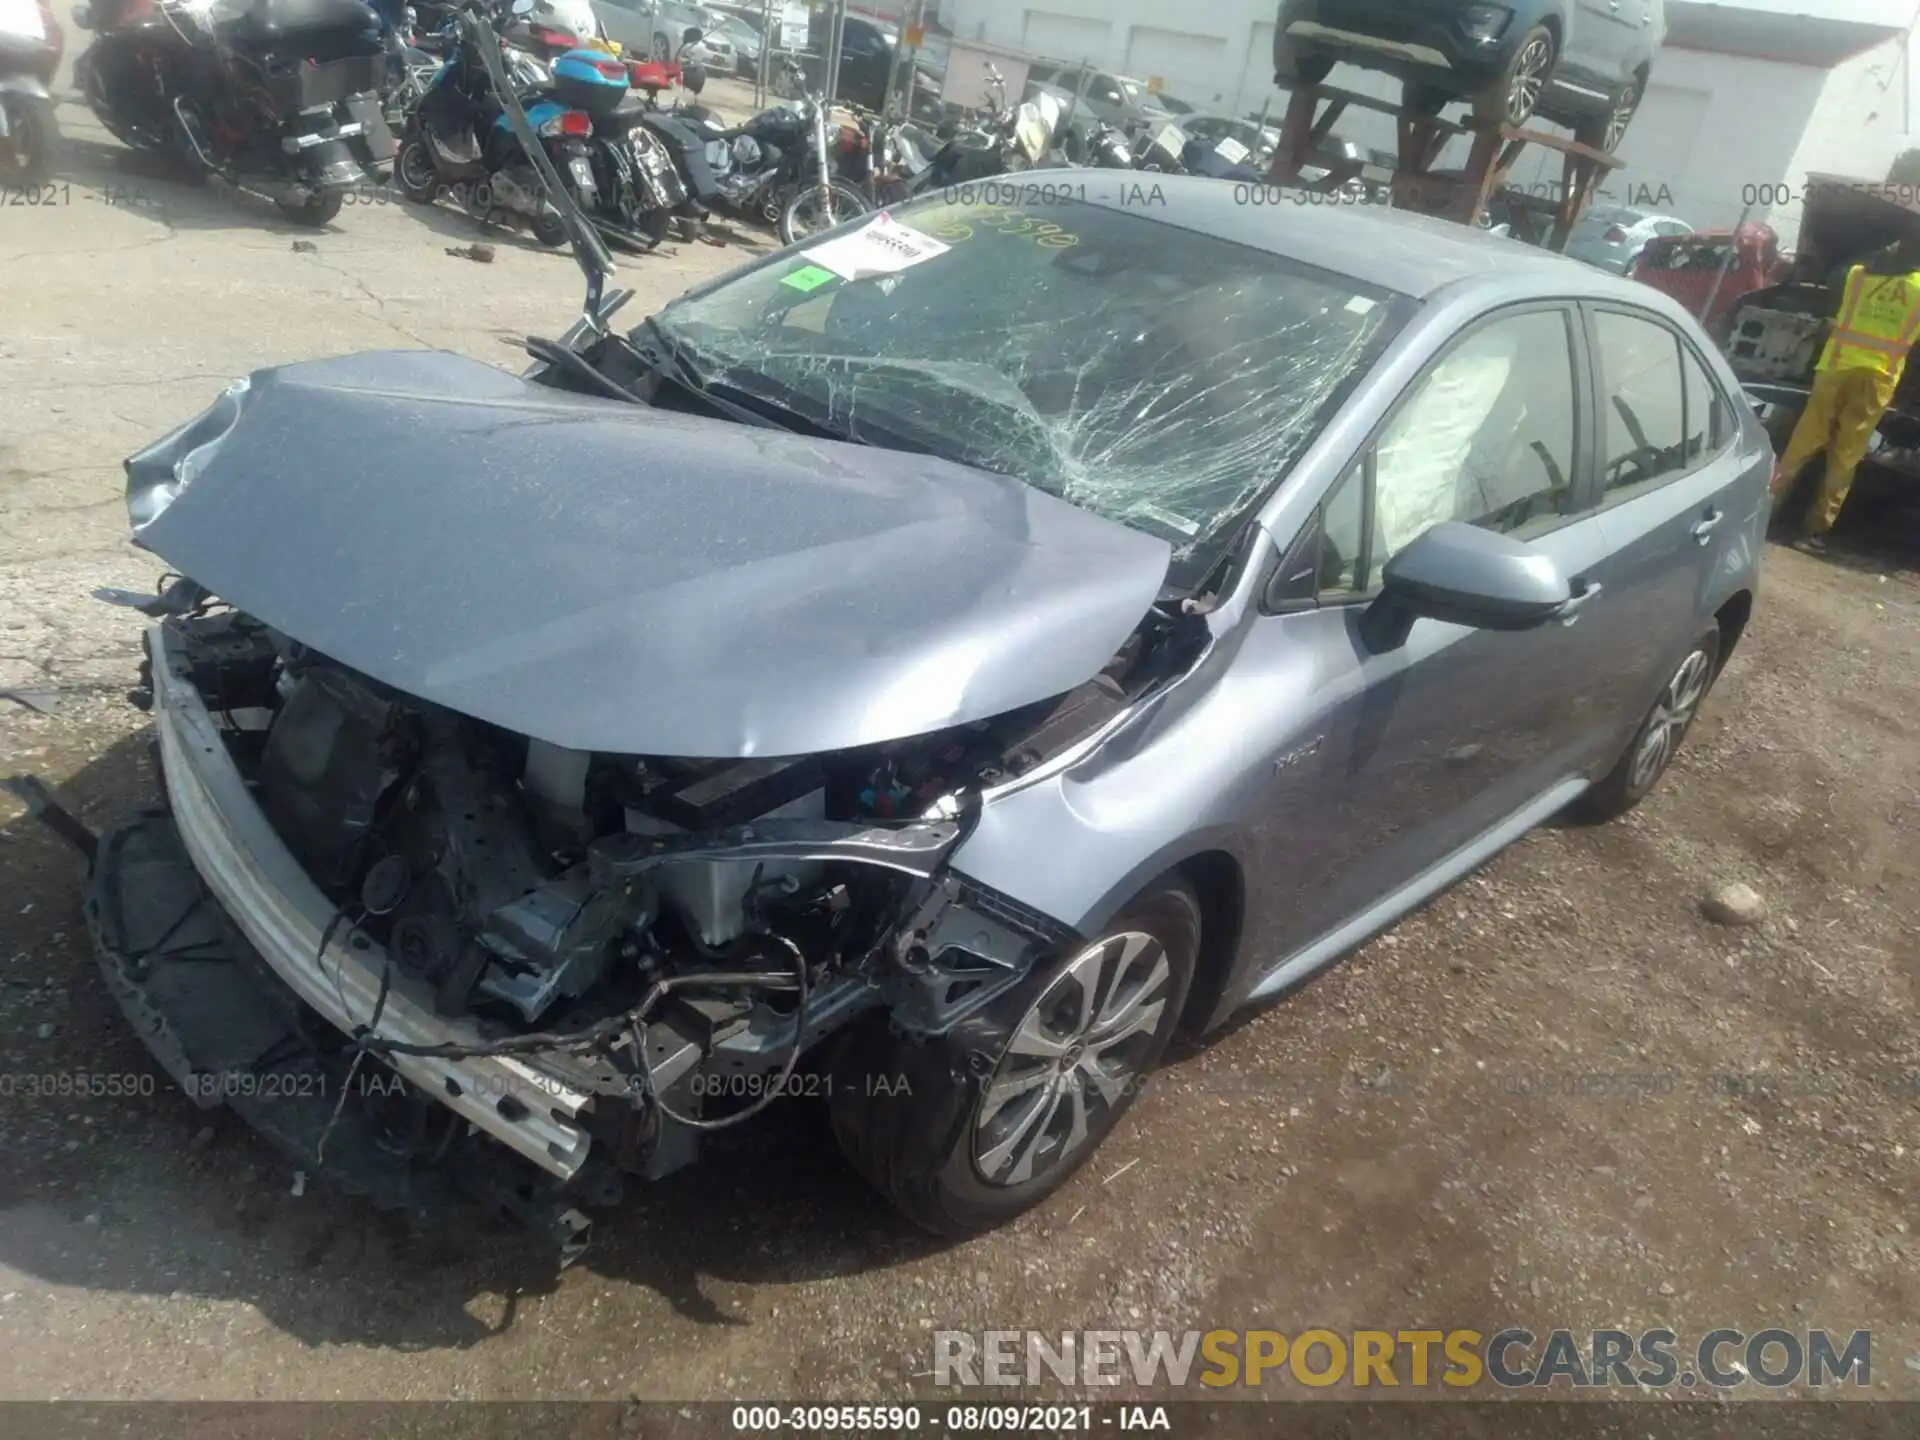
(1672, 502)
(1604, 34)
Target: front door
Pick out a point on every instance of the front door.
(1403, 758)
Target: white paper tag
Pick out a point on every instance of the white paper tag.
(22, 18)
(1231, 150)
(882, 247)
(1359, 305)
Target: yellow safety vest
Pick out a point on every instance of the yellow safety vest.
(1878, 323)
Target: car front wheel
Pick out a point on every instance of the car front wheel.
(1661, 733)
(966, 1132)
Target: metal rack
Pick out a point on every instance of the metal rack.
(1463, 196)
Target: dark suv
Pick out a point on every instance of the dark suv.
(1580, 63)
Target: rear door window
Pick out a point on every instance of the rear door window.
(1661, 412)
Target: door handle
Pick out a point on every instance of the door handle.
(1571, 607)
(1705, 528)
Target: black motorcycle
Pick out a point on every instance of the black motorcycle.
(1013, 139)
(280, 97)
(748, 170)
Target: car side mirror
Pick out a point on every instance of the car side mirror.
(1462, 575)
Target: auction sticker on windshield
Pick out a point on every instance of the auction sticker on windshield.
(882, 247)
(808, 278)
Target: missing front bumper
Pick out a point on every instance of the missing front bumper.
(282, 914)
(230, 1034)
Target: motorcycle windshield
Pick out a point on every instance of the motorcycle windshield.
(1032, 129)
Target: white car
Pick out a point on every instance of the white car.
(1612, 236)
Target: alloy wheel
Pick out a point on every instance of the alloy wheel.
(1672, 714)
(1621, 117)
(1075, 1055)
(1528, 79)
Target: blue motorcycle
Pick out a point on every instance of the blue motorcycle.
(458, 143)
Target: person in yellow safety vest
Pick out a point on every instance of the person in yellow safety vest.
(1859, 370)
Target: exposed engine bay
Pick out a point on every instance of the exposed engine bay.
(636, 925)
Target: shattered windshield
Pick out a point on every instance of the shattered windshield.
(1154, 375)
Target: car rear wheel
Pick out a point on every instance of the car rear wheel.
(1423, 99)
(1605, 132)
(1661, 733)
(966, 1132)
(1512, 99)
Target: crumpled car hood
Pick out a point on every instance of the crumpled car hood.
(607, 577)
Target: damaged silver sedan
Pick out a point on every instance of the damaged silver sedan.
(937, 661)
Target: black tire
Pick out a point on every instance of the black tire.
(27, 154)
(910, 1115)
(656, 225)
(414, 174)
(1633, 778)
(549, 229)
(1505, 101)
(316, 210)
(1605, 132)
(1423, 99)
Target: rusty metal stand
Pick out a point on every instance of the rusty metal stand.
(1313, 111)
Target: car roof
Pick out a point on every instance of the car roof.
(1378, 246)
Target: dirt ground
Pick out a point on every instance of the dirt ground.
(1558, 1097)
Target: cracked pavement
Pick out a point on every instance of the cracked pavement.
(1555, 1097)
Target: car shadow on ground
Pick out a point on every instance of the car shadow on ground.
(141, 1192)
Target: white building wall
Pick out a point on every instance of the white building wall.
(1714, 132)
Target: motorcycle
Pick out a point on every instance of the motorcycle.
(746, 170)
(453, 141)
(1013, 139)
(823, 198)
(458, 139)
(30, 47)
(1097, 145)
(881, 157)
(278, 97)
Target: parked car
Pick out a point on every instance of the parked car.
(1713, 272)
(1074, 693)
(869, 53)
(1579, 63)
(1117, 99)
(745, 41)
(658, 28)
(1612, 236)
(1260, 140)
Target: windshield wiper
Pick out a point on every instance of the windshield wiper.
(669, 358)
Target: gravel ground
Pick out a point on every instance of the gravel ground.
(1557, 1097)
